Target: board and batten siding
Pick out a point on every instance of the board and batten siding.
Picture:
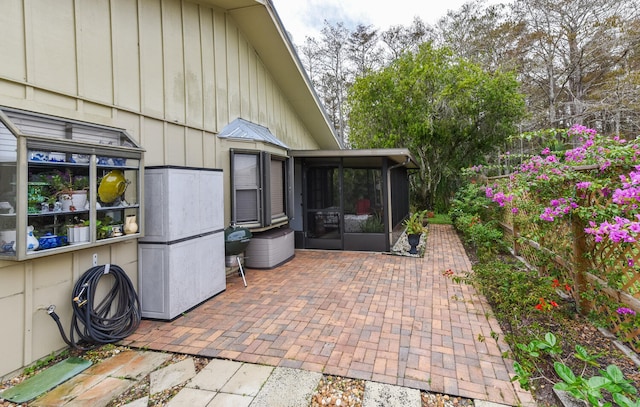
(171, 72)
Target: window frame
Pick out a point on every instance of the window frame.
(264, 218)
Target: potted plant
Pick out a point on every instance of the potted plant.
(70, 189)
(78, 231)
(414, 229)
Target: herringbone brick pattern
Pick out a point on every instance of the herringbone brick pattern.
(372, 316)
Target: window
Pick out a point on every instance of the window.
(261, 193)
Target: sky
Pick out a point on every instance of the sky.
(302, 18)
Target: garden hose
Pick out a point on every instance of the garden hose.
(113, 319)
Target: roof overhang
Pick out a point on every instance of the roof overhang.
(261, 25)
(361, 158)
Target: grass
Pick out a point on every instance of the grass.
(440, 219)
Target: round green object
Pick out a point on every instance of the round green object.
(112, 186)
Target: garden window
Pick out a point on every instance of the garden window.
(261, 189)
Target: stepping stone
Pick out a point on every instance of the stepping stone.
(172, 375)
(192, 397)
(141, 402)
(248, 380)
(215, 375)
(378, 394)
(287, 387)
(45, 380)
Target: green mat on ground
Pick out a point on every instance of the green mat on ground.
(45, 380)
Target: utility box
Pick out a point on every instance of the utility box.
(270, 249)
(182, 255)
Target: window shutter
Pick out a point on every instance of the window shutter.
(246, 187)
(277, 189)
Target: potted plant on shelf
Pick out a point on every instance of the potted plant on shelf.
(78, 231)
(70, 189)
(414, 229)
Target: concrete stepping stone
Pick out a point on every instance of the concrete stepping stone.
(129, 364)
(45, 380)
(127, 367)
(188, 397)
(141, 402)
(172, 375)
(248, 380)
(230, 400)
(287, 387)
(379, 394)
(214, 375)
(101, 394)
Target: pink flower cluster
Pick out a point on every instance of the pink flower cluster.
(620, 230)
(559, 207)
(498, 197)
(625, 311)
(629, 194)
(544, 172)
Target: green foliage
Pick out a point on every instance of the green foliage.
(472, 214)
(512, 290)
(470, 199)
(415, 223)
(440, 219)
(46, 361)
(588, 389)
(373, 224)
(593, 187)
(446, 110)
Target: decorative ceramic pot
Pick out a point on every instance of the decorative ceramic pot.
(77, 234)
(130, 225)
(112, 186)
(414, 241)
(75, 201)
(32, 241)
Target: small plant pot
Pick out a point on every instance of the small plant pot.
(77, 234)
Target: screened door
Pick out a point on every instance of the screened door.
(323, 215)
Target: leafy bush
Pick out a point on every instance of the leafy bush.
(472, 215)
(373, 224)
(471, 200)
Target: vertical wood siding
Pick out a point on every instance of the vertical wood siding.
(173, 73)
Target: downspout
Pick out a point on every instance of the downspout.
(389, 212)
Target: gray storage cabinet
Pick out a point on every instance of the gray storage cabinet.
(270, 249)
(181, 256)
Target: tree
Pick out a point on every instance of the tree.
(364, 51)
(484, 34)
(400, 39)
(446, 110)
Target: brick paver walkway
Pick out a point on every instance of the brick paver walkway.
(391, 319)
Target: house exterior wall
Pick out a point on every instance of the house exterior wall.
(172, 73)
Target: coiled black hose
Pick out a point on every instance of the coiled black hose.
(113, 319)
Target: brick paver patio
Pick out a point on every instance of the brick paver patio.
(373, 316)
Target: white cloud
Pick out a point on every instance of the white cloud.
(306, 17)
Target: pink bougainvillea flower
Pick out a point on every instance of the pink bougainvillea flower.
(625, 311)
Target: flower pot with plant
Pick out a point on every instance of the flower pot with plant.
(78, 231)
(70, 189)
(414, 229)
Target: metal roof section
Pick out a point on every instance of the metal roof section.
(260, 24)
(363, 157)
(241, 129)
